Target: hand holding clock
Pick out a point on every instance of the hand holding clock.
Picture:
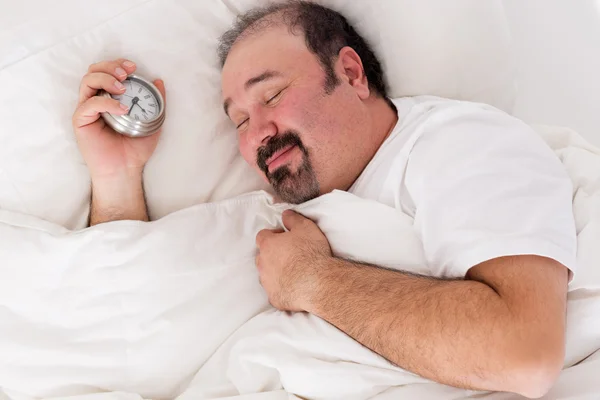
(106, 152)
(115, 161)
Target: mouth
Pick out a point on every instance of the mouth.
(279, 157)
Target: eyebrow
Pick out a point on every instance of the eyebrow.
(265, 76)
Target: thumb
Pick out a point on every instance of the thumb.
(160, 85)
(292, 219)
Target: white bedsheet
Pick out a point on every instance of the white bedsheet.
(132, 310)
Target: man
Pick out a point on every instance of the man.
(490, 201)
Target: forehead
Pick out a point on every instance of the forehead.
(274, 49)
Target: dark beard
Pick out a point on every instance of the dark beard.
(292, 187)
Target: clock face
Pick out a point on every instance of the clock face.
(143, 104)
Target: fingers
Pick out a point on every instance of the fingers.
(292, 219)
(89, 111)
(160, 85)
(91, 83)
(105, 75)
(265, 234)
(119, 68)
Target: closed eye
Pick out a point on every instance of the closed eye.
(242, 123)
(272, 99)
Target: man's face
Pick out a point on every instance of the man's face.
(297, 136)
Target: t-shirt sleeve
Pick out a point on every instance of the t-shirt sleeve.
(485, 185)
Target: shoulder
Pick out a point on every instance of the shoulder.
(456, 136)
(432, 120)
(457, 133)
(439, 110)
(486, 185)
(469, 149)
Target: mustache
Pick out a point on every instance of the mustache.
(276, 143)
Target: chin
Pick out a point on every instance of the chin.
(296, 188)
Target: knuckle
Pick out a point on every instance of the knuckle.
(111, 66)
(107, 104)
(85, 78)
(94, 66)
(78, 110)
(91, 101)
(91, 80)
(77, 114)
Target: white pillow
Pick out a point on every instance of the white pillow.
(456, 49)
(427, 47)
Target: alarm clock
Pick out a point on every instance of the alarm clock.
(146, 108)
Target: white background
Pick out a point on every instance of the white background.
(557, 45)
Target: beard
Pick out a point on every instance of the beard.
(292, 187)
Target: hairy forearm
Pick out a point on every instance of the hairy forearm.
(457, 332)
(118, 198)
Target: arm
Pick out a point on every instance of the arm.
(118, 198)
(491, 331)
(502, 328)
(493, 204)
(116, 162)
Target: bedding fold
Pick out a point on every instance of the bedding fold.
(173, 308)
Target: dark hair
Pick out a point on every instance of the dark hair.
(326, 33)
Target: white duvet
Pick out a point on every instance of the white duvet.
(173, 308)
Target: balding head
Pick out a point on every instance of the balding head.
(309, 118)
(325, 32)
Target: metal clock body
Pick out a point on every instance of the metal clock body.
(146, 108)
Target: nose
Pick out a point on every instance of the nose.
(261, 130)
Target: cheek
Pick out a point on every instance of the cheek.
(246, 150)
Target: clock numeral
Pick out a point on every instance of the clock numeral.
(137, 118)
(145, 117)
(147, 96)
(152, 105)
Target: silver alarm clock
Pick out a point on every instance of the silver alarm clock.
(146, 108)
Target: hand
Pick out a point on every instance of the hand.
(289, 262)
(107, 153)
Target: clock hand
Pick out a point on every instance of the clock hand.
(133, 103)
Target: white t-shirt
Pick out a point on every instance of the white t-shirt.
(478, 183)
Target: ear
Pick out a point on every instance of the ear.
(352, 71)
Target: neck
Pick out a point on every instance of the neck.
(380, 118)
(383, 119)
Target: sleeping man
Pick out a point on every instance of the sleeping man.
(490, 201)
